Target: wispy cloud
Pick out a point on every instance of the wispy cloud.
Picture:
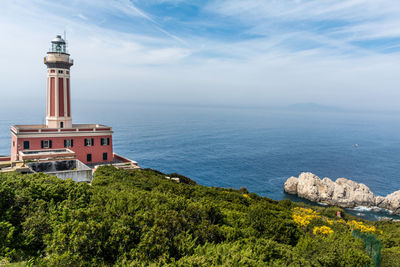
(127, 7)
(234, 52)
(328, 23)
(82, 17)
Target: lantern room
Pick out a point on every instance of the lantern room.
(58, 45)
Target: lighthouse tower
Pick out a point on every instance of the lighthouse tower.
(59, 140)
(58, 113)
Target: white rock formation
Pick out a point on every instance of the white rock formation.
(390, 202)
(343, 192)
(291, 185)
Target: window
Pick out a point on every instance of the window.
(67, 72)
(60, 72)
(105, 141)
(61, 124)
(52, 71)
(105, 156)
(89, 142)
(89, 157)
(13, 143)
(46, 144)
(68, 143)
(26, 144)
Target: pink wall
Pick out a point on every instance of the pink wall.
(61, 97)
(68, 100)
(79, 147)
(52, 96)
(5, 159)
(14, 147)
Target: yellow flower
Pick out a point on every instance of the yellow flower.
(354, 225)
(323, 230)
(246, 196)
(302, 216)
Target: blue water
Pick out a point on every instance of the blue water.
(255, 148)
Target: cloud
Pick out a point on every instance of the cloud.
(82, 17)
(225, 52)
(345, 21)
(128, 8)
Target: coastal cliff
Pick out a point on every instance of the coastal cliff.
(343, 192)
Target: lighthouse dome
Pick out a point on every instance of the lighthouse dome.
(58, 45)
(58, 40)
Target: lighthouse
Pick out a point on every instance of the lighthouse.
(59, 139)
(58, 62)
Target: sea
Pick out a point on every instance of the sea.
(253, 147)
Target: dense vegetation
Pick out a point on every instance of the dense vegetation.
(140, 218)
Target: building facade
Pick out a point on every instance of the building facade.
(89, 143)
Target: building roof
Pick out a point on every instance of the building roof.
(58, 40)
(42, 128)
(46, 154)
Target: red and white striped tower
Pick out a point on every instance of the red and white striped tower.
(58, 114)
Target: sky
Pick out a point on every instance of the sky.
(216, 52)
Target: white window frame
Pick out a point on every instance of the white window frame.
(46, 143)
(105, 141)
(88, 142)
(68, 143)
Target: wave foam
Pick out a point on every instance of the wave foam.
(364, 208)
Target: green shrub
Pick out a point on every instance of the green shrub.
(139, 218)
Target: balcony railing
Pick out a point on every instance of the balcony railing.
(70, 61)
(27, 129)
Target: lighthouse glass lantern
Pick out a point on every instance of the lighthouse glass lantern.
(58, 45)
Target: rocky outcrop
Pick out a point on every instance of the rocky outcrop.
(390, 202)
(291, 185)
(343, 192)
